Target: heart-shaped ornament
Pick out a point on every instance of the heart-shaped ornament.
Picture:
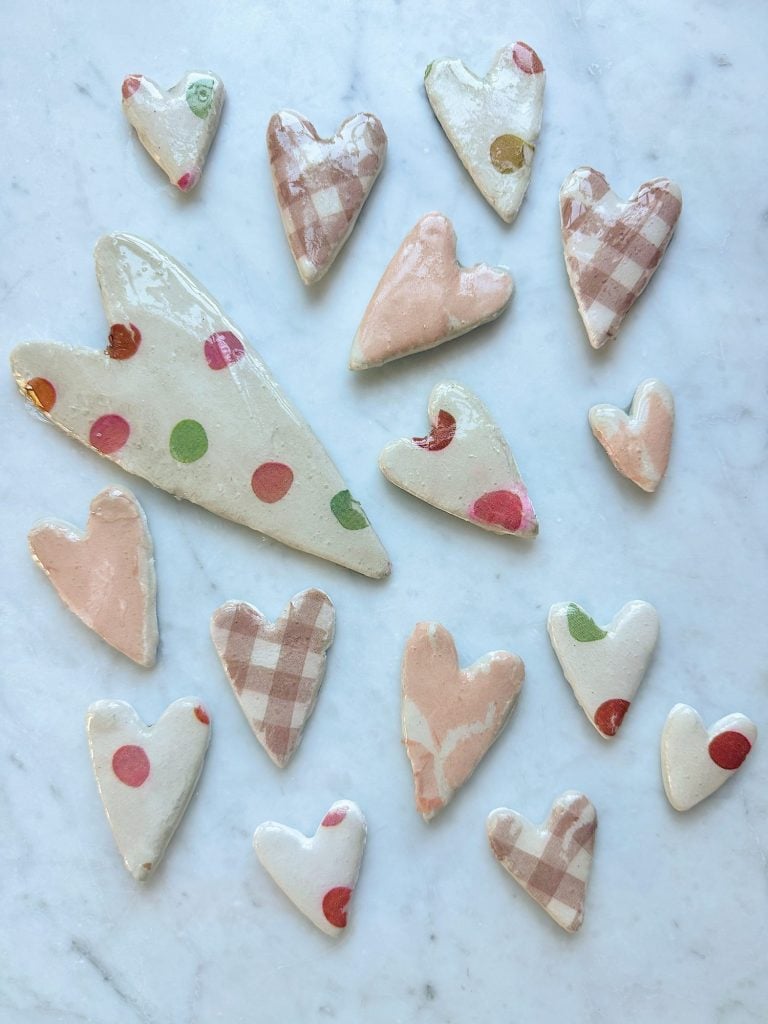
(696, 761)
(176, 127)
(321, 184)
(493, 122)
(612, 248)
(276, 669)
(463, 466)
(552, 862)
(638, 443)
(604, 666)
(317, 874)
(107, 575)
(451, 716)
(426, 297)
(146, 774)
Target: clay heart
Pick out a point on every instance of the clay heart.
(493, 122)
(638, 444)
(604, 666)
(451, 716)
(106, 576)
(426, 297)
(276, 669)
(176, 127)
(696, 761)
(464, 466)
(146, 774)
(552, 862)
(612, 248)
(321, 184)
(317, 874)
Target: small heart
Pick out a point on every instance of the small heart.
(425, 297)
(552, 862)
(317, 874)
(276, 670)
(322, 184)
(451, 716)
(146, 774)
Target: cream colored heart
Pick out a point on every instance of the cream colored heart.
(638, 443)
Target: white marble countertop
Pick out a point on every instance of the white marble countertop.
(677, 911)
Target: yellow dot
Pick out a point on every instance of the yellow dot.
(508, 153)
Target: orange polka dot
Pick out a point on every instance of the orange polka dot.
(124, 341)
(271, 481)
(41, 393)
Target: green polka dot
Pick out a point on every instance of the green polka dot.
(582, 627)
(200, 96)
(429, 68)
(348, 511)
(189, 441)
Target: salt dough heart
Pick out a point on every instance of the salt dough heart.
(612, 248)
(493, 122)
(176, 127)
(146, 774)
(451, 716)
(426, 297)
(464, 466)
(552, 862)
(638, 444)
(696, 761)
(107, 576)
(276, 669)
(317, 874)
(604, 666)
(180, 399)
(321, 184)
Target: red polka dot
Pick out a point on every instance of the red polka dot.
(441, 435)
(222, 349)
(610, 715)
(202, 715)
(130, 85)
(335, 904)
(124, 341)
(189, 180)
(131, 765)
(334, 817)
(109, 433)
(527, 59)
(272, 481)
(729, 749)
(499, 508)
(41, 393)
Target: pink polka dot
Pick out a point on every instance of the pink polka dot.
(131, 765)
(527, 59)
(271, 481)
(202, 715)
(334, 817)
(109, 433)
(130, 85)
(188, 180)
(222, 349)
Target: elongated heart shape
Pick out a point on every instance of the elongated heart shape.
(604, 666)
(638, 444)
(451, 716)
(612, 248)
(426, 297)
(107, 576)
(552, 862)
(276, 669)
(493, 122)
(146, 774)
(180, 399)
(696, 761)
(464, 466)
(176, 127)
(319, 874)
(321, 184)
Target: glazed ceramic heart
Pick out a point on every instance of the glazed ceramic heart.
(696, 761)
(613, 248)
(426, 297)
(276, 669)
(451, 716)
(321, 184)
(319, 874)
(107, 576)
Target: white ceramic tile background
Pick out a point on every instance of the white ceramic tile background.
(676, 924)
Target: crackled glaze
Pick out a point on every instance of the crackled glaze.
(638, 443)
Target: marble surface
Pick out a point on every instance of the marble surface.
(676, 921)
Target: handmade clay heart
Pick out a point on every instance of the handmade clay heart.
(638, 444)
(492, 122)
(180, 399)
(696, 761)
(107, 575)
(604, 666)
(146, 774)
(321, 184)
(451, 716)
(552, 862)
(176, 127)
(319, 874)
(276, 669)
(464, 466)
(612, 248)
(426, 297)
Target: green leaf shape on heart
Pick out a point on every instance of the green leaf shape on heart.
(582, 627)
(200, 96)
(348, 511)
